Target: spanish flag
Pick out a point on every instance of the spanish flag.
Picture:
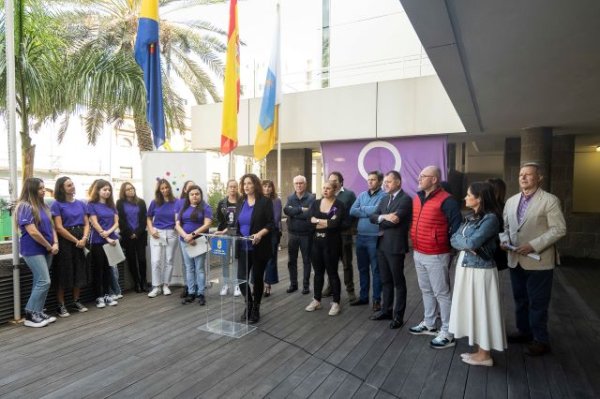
(147, 55)
(231, 96)
(268, 122)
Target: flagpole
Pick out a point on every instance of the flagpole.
(11, 108)
(279, 110)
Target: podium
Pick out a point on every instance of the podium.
(221, 256)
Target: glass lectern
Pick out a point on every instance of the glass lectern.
(223, 311)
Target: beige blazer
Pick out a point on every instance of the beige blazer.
(542, 226)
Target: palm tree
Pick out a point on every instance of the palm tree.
(39, 45)
(110, 86)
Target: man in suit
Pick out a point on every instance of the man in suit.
(366, 240)
(533, 223)
(393, 216)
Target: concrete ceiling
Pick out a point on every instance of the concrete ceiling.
(512, 64)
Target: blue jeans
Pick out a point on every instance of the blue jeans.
(531, 291)
(366, 254)
(194, 271)
(115, 288)
(40, 269)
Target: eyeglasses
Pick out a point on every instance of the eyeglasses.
(421, 177)
(130, 189)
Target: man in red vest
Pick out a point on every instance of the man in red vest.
(435, 218)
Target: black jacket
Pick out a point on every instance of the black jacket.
(262, 217)
(393, 238)
(298, 220)
(124, 227)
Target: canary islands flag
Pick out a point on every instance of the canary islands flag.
(268, 121)
(231, 95)
(147, 55)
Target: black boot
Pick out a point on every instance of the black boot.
(254, 314)
(248, 311)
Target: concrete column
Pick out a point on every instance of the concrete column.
(536, 146)
(512, 162)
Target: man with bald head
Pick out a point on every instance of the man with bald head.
(435, 218)
(533, 223)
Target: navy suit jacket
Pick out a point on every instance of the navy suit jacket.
(393, 238)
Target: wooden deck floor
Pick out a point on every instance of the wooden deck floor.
(153, 348)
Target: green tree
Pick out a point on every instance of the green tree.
(104, 34)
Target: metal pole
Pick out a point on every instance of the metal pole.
(11, 112)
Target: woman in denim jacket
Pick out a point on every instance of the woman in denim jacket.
(476, 303)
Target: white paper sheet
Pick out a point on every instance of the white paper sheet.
(114, 253)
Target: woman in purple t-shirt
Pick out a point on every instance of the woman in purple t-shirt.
(178, 205)
(103, 217)
(73, 228)
(38, 242)
(132, 228)
(194, 218)
(163, 239)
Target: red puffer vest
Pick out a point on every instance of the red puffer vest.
(429, 231)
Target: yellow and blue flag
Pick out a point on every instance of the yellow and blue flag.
(268, 121)
(147, 55)
(231, 95)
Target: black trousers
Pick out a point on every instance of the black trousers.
(325, 258)
(248, 265)
(135, 253)
(304, 244)
(102, 272)
(347, 262)
(393, 282)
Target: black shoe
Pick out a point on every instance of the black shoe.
(34, 319)
(305, 291)
(359, 302)
(201, 300)
(536, 348)
(519, 338)
(291, 289)
(254, 314)
(396, 323)
(184, 293)
(381, 316)
(247, 312)
(188, 299)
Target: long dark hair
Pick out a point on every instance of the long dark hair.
(270, 183)
(258, 192)
(197, 209)
(184, 191)
(59, 189)
(499, 190)
(488, 203)
(29, 195)
(158, 197)
(95, 197)
(123, 193)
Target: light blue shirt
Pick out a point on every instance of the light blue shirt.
(364, 206)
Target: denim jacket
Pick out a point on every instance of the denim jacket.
(477, 238)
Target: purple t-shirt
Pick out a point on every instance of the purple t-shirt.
(188, 225)
(71, 213)
(106, 220)
(163, 216)
(30, 247)
(132, 214)
(179, 204)
(244, 219)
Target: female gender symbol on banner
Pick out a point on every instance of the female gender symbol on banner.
(377, 144)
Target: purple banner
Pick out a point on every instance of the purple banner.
(354, 159)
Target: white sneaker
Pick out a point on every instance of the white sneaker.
(335, 309)
(114, 297)
(224, 290)
(166, 290)
(236, 291)
(314, 305)
(155, 291)
(109, 301)
(100, 303)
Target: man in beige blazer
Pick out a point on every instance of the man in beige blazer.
(533, 223)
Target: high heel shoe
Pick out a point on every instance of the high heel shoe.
(267, 290)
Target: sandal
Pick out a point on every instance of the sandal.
(267, 290)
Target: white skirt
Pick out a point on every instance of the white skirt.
(477, 307)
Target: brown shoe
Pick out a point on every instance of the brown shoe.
(376, 306)
(536, 348)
